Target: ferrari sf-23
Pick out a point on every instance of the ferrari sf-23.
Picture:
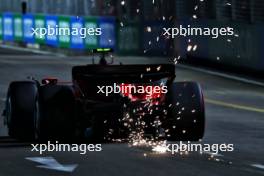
(54, 110)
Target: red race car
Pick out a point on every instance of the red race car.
(105, 102)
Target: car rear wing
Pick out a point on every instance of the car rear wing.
(123, 73)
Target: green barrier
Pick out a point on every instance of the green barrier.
(21, 32)
(39, 23)
(1, 27)
(18, 30)
(65, 39)
(128, 39)
(91, 41)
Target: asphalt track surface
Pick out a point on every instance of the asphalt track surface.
(234, 114)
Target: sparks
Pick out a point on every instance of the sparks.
(161, 148)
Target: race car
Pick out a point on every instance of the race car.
(89, 107)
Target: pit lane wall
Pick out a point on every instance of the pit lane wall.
(244, 50)
(131, 39)
(16, 27)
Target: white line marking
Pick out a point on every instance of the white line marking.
(223, 75)
(30, 50)
(260, 166)
(214, 154)
(51, 163)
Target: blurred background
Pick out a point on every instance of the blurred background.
(138, 27)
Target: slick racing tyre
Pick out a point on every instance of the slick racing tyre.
(186, 115)
(21, 109)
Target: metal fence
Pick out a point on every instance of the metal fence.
(249, 11)
(239, 10)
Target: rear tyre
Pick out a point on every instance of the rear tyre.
(186, 115)
(56, 120)
(21, 109)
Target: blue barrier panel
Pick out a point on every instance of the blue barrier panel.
(108, 37)
(8, 27)
(28, 25)
(51, 27)
(77, 33)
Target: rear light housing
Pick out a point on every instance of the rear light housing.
(146, 92)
